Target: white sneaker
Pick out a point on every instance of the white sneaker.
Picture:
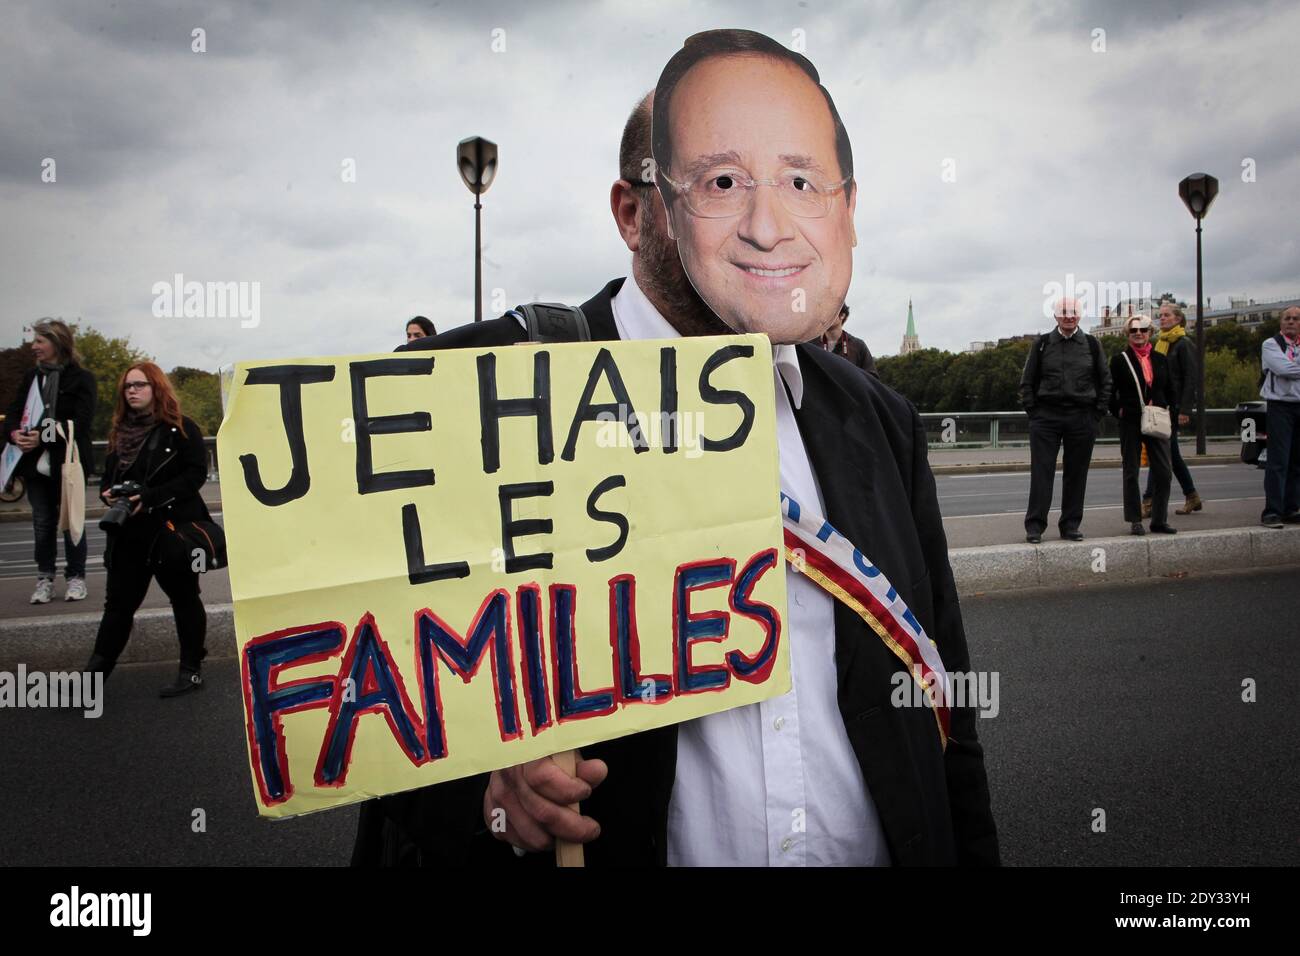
(44, 591)
(76, 590)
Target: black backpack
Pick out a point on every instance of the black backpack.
(1263, 372)
(552, 322)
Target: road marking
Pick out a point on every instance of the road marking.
(1119, 507)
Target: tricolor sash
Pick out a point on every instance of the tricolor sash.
(826, 557)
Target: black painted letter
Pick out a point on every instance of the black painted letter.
(367, 480)
(291, 379)
(492, 409)
(727, 396)
(511, 528)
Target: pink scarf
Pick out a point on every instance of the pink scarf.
(1143, 352)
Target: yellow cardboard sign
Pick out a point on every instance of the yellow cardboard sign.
(445, 563)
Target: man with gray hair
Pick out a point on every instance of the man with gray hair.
(1280, 388)
(1065, 388)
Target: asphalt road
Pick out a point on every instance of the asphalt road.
(1123, 698)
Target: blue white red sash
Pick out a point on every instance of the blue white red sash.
(826, 557)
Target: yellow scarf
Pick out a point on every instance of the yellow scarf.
(1165, 340)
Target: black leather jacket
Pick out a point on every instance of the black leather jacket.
(172, 465)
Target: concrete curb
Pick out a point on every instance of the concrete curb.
(1098, 560)
(1001, 467)
(65, 641)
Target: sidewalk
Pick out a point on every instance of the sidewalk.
(974, 461)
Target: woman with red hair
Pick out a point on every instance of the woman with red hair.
(153, 445)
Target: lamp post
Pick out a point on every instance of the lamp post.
(476, 158)
(1198, 191)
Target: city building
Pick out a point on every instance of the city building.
(911, 343)
(1113, 319)
(1247, 313)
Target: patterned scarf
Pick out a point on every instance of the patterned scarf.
(130, 435)
(1165, 340)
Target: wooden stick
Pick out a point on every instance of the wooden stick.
(566, 853)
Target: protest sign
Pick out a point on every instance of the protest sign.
(444, 563)
(12, 454)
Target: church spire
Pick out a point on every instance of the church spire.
(911, 343)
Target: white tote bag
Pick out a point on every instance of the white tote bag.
(72, 494)
(1155, 420)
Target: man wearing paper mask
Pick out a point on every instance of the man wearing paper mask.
(755, 172)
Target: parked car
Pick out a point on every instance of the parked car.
(1253, 452)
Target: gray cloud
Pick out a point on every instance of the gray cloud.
(226, 166)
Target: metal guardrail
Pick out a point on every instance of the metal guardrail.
(942, 429)
(1011, 429)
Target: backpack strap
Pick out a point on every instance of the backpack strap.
(1038, 365)
(1263, 370)
(552, 322)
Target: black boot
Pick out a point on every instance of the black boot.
(187, 680)
(98, 663)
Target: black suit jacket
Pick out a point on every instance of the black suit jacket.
(868, 449)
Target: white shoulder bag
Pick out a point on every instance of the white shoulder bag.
(1155, 420)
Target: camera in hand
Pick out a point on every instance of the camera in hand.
(121, 509)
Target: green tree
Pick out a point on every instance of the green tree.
(105, 358)
(200, 396)
(14, 364)
(1229, 379)
(1230, 337)
(919, 376)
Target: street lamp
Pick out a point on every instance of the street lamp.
(1198, 191)
(476, 158)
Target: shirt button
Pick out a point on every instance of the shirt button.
(786, 844)
(778, 723)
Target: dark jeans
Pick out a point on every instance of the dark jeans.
(1051, 426)
(128, 583)
(1282, 470)
(43, 493)
(1131, 441)
(1181, 471)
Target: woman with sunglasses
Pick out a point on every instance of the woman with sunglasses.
(154, 445)
(1141, 377)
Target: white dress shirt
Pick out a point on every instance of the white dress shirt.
(774, 783)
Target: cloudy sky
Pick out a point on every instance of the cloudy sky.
(1065, 128)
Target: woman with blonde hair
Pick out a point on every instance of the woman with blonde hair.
(66, 394)
(155, 467)
(1141, 377)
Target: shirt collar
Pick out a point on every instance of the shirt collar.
(637, 318)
